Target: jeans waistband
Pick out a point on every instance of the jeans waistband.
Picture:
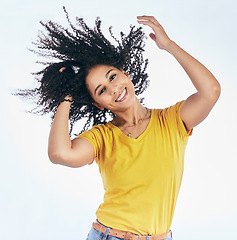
(128, 235)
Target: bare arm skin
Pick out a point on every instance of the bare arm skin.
(197, 106)
(79, 152)
(61, 149)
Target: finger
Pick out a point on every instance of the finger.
(148, 23)
(62, 69)
(152, 36)
(146, 17)
(148, 20)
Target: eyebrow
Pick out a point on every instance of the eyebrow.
(97, 88)
(106, 76)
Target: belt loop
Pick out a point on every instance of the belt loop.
(106, 233)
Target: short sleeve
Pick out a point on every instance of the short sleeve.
(94, 136)
(172, 115)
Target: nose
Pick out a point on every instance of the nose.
(113, 88)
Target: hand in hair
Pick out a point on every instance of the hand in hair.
(68, 98)
(159, 36)
(74, 51)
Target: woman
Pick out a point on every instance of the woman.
(140, 151)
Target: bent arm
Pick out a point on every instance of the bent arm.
(196, 107)
(61, 149)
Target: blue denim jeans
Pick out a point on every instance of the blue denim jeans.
(97, 235)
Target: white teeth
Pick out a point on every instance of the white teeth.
(122, 95)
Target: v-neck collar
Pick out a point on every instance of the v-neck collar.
(127, 138)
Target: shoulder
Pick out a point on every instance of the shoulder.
(171, 111)
(97, 131)
(169, 117)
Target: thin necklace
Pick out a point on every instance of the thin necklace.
(134, 125)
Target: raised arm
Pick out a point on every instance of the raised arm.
(61, 149)
(197, 106)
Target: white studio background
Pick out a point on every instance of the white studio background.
(43, 201)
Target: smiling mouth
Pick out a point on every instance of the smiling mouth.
(122, 96)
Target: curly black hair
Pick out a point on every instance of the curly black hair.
(77, 50)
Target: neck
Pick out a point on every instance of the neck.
(131, 116)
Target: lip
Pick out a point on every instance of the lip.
(124, 97)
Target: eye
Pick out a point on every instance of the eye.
(101, 91)
(112, 77)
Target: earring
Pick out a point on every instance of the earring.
(126, 74)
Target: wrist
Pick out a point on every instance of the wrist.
(67, 100)
(169, 46)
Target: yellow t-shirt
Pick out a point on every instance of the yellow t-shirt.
(142, 176)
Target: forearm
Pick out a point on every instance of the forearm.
(197, 106)
(201, 77)
(59, 139)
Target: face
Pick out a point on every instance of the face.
(110, 88)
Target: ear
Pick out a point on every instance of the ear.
(125, 73)
(98, 106)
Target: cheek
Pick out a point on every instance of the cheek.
(103, 100)
(131, 86)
